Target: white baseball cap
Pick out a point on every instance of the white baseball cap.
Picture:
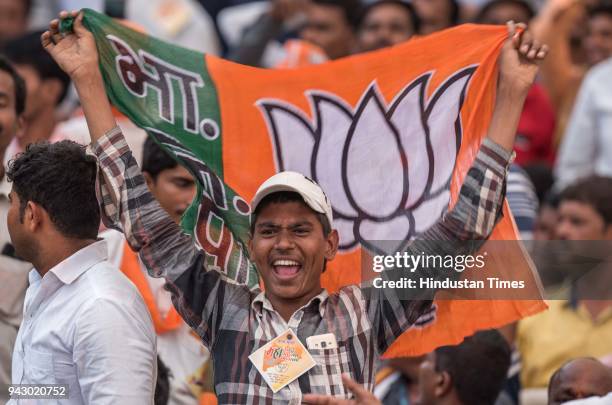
(310, 191)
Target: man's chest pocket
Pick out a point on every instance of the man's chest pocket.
(325, 376)
(38, 367)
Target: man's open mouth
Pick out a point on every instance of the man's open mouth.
(285, 268)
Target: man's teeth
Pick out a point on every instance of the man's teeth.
(286, 263)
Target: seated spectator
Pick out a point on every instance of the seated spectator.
(580, 325)
(386, 23)
(46, 86)
(436, 15)
(579, 378)
(13, 18)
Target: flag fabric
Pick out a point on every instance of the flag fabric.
(389, 135)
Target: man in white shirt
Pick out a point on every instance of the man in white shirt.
(85, 325)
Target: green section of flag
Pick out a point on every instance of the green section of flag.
(167, 91)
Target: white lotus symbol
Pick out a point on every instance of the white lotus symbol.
(386, 169)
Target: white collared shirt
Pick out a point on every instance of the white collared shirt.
(86, 325)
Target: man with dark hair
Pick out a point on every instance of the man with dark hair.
(288, 247)
(585, 210)
(171, 184)
(579, 378)
(471, 373)
(85, 325)
(581, 325)
(13, 272)
(46, 86)
(386, 23)
(13, 18)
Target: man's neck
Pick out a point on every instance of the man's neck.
(287, 307)
(39, 128)
(57, 253)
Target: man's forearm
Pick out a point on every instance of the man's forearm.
(504, 123)
(96, 106)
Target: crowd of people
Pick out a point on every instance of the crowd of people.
(174, 331)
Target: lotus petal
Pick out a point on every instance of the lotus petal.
(333, 122)
(443, 120)
(374, 156)
(430, 211)
(346, 231)
(406, 115)
(394, 231)
(292, 137)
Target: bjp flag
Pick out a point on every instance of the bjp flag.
(389, 135)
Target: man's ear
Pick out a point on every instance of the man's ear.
(444, 384)
(333, 239)
(150, 181)
(608, 232)
(33, 216)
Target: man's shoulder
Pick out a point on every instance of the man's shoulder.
(105, 281)
(108, 296)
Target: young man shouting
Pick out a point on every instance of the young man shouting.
(292, 239)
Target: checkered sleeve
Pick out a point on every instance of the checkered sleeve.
(128, 206)
(481, 197)
(462, 231)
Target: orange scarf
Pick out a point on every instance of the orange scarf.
(131, 268)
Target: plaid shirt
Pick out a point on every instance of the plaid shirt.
(234, 321)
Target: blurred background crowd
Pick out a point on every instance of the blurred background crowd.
(559, 188)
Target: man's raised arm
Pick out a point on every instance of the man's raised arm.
(467, 226)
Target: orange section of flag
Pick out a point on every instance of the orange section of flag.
(250, 157)
(131, 268)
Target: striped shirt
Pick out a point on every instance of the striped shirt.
(233, 321)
